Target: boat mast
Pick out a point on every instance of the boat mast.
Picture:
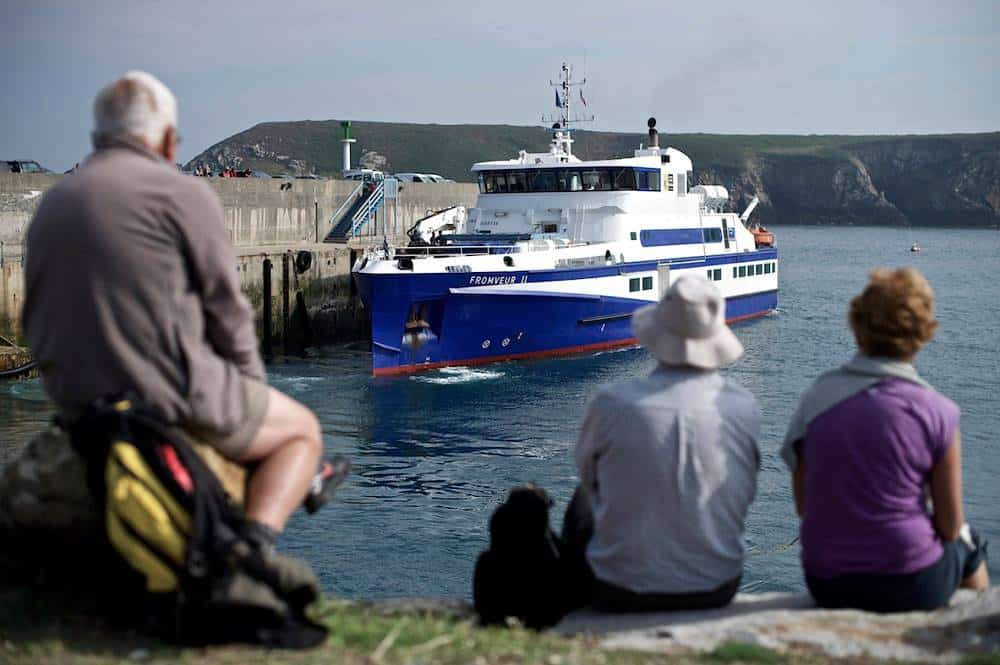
(562, 140)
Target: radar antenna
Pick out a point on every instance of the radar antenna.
(562, 141)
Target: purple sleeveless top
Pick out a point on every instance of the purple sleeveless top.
(868, 460)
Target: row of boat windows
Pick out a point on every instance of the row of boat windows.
(570, 180)
(750, 270)
(637, 284)
(715, 274)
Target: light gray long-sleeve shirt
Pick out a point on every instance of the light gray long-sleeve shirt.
(669, 463)
(132, 286)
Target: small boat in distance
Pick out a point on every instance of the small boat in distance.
(915, 247)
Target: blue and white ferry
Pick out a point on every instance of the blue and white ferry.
(556, 255)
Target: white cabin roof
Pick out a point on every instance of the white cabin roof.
(646, 158)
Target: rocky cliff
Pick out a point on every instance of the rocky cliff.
(947, 180)
(923, 181)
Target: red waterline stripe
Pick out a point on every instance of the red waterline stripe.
(747, 317)
(547, 353)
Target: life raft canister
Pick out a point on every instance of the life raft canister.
(762, 237)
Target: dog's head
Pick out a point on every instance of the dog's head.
(522, 519)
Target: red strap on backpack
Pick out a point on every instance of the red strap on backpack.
(169, 455)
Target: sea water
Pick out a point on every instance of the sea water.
(435, 453)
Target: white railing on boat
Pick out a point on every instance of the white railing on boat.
(446, 251)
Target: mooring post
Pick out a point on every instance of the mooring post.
(266, 322)
(284, 302)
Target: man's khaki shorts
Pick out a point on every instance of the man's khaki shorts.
(256, 396)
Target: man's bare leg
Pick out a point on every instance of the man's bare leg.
(287, 449)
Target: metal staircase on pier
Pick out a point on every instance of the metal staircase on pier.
(359, 207)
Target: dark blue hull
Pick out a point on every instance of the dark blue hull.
(423, 321)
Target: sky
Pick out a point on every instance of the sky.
(785, 67)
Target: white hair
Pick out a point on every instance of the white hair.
(138, 105)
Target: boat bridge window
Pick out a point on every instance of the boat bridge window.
(599, 180)
(625, 179)
(517, 182)
(649, 179)
(569, 180)
(543, 181)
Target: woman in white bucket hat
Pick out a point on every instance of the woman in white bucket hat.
(668, 466)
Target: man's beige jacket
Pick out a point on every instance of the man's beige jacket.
(131, 285)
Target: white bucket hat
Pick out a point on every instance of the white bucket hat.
(688, 326)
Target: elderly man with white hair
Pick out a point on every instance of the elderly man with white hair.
(668, 467)
(132, 287)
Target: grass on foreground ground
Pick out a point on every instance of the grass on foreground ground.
(50, 628)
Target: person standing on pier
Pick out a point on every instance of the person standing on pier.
(668, 466)
(132, 287)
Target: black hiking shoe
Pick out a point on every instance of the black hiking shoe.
(331, 474)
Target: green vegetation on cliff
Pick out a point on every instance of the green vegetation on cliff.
(938, 180)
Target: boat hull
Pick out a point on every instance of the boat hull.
(457, 325)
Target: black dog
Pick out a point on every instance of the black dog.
(521, 574)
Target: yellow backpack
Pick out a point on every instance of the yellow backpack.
(169, 519)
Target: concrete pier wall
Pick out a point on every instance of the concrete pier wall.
(335, 313)
(11, 298)
(257, 210)
(265, 218)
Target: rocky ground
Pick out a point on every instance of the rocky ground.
(788, 623)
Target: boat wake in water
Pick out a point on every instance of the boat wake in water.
(454, 375)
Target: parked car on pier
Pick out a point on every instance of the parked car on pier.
(22, 166)
(363, 174)
(420, 177)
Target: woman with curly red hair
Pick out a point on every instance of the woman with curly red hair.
(869, 444)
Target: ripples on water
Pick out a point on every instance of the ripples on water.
(434, 453)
